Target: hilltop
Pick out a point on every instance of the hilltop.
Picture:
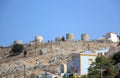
(44, 56)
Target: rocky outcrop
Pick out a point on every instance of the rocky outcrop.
(43, 51)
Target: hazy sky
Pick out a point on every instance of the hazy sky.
(24, 19)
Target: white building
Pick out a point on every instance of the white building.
(47, 75)
(102, 51)
(111, 36)
(80, 62)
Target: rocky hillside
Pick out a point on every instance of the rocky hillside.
(44, 56)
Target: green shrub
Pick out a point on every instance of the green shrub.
(116, 57)
(84, 76)
(17, 49)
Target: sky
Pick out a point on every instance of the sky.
(25, 19)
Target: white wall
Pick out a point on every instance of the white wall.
(114, 37)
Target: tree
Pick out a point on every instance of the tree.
(99, 62)
(107, 73)
(84, 76)
(17, 49)
(101, 67)
(73, 75)
(116, 57)
(25, 53)
(63, 38)
(64, 76)
(93, 73)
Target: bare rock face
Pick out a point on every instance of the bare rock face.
(57, 58)
(43, 51)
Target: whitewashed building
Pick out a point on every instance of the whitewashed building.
(47, 75)
(102, 51)
(111, 36)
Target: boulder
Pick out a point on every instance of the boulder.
(43, 51)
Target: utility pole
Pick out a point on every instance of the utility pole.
(25, 53)
(46, 71)
(101, 73)
(101, 70)
(24, 71)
